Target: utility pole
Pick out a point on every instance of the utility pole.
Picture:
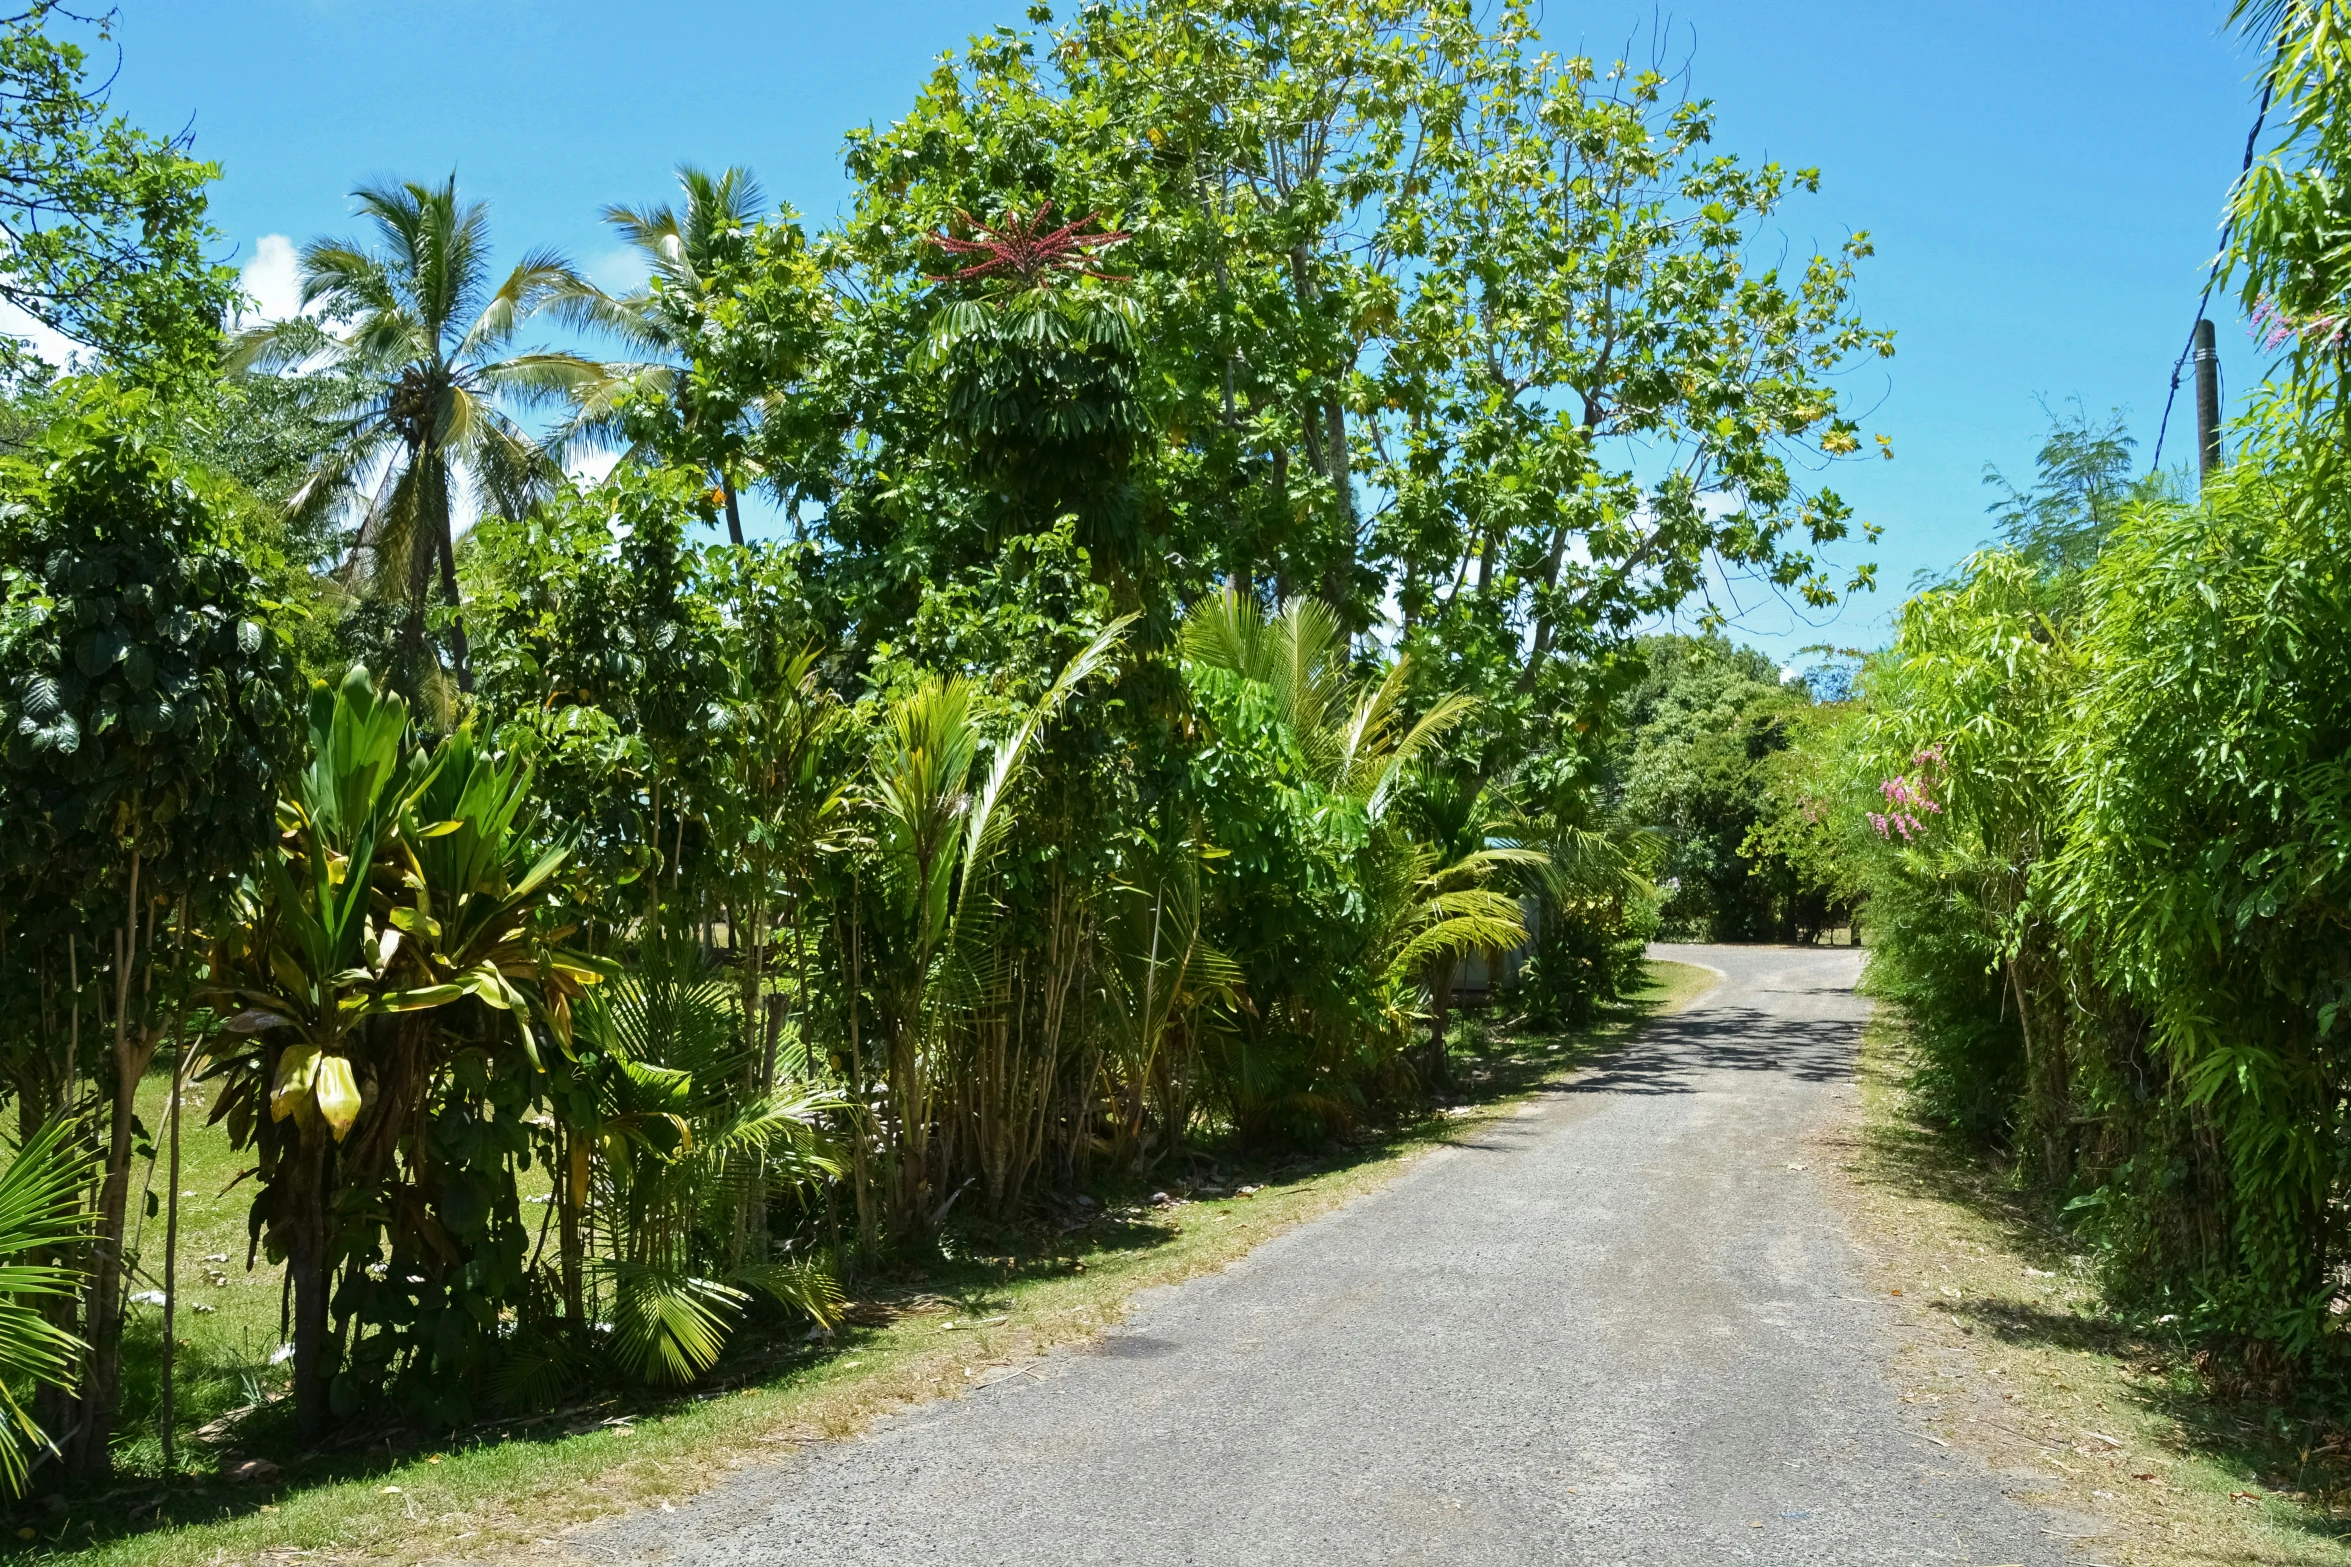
(2207, 401)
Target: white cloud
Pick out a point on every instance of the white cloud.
(50, 344)
(273, 281)
(590, 464)
(619, 270)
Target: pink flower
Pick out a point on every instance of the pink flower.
(1909, 796)
(2320, 329)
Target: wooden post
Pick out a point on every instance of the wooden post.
(2207, 401)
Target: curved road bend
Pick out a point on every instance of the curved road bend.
(1617, 1328)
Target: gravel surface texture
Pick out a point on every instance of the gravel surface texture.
(1621, 1326)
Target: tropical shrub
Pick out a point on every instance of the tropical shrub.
(145, 697)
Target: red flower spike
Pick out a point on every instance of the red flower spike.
(1016, 246)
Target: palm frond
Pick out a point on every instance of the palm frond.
(540, 1365)
(543, 277)
(276, 346)
(1225, 631)
(39, 1208)
(534, 379)
(344, 281)
(1472, 921)
(668, 1326)
(988, 821)
(807, 1287)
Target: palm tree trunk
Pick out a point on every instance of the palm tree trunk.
(1440, 1009)
(458, 655)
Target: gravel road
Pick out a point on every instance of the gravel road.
(1621, 1327)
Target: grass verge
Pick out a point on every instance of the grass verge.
(2007, 1350)
(987, 1304)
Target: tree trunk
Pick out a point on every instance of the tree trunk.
(1440, 1070)
(171, 1257)
(726, 486)
(2047, 1101)
(1329, 444)
(1541, 645)
(1342, 569)
(458, 654)
(420, 562)
(572, 1199)
(859, 1138)
(306, 1267)
(93, 1457)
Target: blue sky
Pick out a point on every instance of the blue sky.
(2042, 180)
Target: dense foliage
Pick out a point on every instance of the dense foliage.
(1211, 478)
(2100, 859)
(2094, 796)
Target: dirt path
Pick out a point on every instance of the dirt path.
(1621, 1327)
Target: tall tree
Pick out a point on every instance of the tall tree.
(420, 383)
(727, 319)
(144, 697)
(102, 232)
(1428, 317)
(2084, 480)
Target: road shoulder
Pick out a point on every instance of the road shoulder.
(2002, 1349)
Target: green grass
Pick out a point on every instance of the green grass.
(227, 1315)
(989, 1300)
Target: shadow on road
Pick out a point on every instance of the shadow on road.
(1672, 1055)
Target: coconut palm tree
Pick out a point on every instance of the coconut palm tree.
(408, 350)
(687, 249)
